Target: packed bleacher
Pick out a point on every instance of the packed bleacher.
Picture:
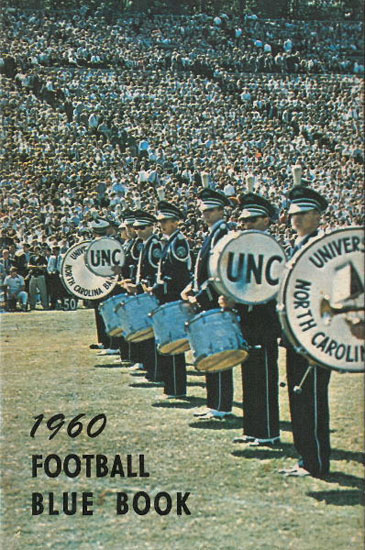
(98, 113)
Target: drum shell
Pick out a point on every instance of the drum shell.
(216, 340)
(135, 320)
(78, 280)
(168, 323)
(108, 246)
(111, 316)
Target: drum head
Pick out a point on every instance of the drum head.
(247, 267)
(321, 301)
(221, 361)
(140, 335)
(79, 280)
(103, 255)
(174, 348)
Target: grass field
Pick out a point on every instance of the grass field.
(237, 500)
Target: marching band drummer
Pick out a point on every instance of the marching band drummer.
(107, 228)
(260, 326)
(219, 384)
(172, 277)
(309, 410)
(132, 248)
(99, 228)
(147, 266)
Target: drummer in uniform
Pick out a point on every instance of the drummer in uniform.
(261, 327)
(101, 227)
(310, 409)
(147, 266)
(174, 273)
(219, 384)
(132, 247)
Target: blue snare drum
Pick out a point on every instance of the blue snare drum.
(134, 313)
(168, 323)
(111, 317)
(216, 340)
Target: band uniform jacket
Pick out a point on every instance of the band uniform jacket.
(148, 261)
(206, 295)
(132, 249)
(174, 269)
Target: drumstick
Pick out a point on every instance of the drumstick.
(297, 172)
(160, 193)
(205, 179)
(250, 181)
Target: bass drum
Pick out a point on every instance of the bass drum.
(321, 301)
(134, 313)
(168, 323)
(103, 255)
(79, 280)
(247, 267)
(216, 340)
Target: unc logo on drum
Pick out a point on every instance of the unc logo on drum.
(253, 268)
(104, 257)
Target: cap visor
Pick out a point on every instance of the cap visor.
(297, 209)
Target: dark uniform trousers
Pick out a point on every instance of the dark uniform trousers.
(102, 336)
(260, 377)
(309, 413)
(219, 384)
(310, 409)
(260, 393)
(173, 371)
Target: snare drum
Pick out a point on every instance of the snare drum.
(168, 323)
(134, 312)
(321, 301)
(216, 340)
(111, 317)
(247, 266)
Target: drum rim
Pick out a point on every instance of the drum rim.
(234, 237)
(104, 238)
(210, 312)
(282, 310)
(205, 356)
(167, 304)
(111, 298)
(92, 298)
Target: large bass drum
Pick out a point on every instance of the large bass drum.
(216, 340)
(103, 255)
(79, 280)
(321, 301)
(247, 266)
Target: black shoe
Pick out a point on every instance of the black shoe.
(96, 346)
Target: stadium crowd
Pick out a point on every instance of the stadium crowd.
(100, 112)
